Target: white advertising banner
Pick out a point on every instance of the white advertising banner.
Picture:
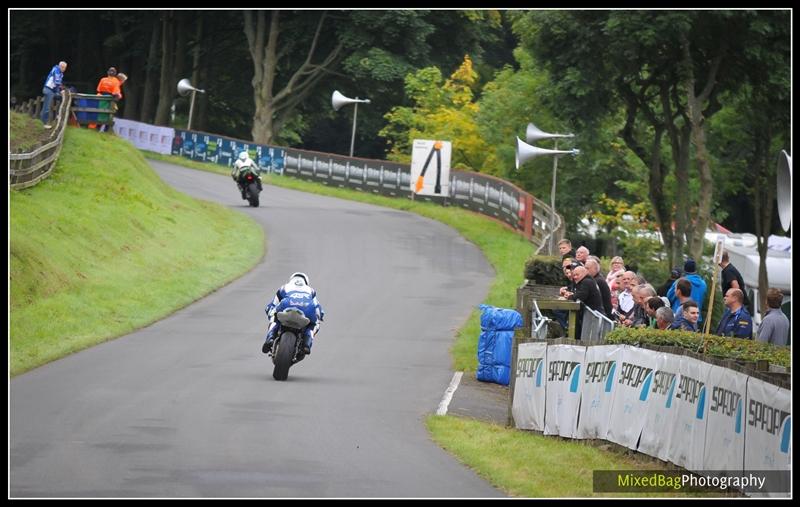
(564, 377)
(726, 391)
(629, 397)
(654, 440)
(430, 167)
(768, 442)
(529, 387)
(599, 379)
(688, 432)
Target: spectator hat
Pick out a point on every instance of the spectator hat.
(676, 272)
(112, 71)
(690, 266)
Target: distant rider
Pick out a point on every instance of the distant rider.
(239, 167)
(297, 293)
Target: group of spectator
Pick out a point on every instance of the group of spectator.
(625, 297)
(111, 85)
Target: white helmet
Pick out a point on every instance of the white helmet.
(299, 275)
(243, 156)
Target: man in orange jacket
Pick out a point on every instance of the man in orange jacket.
(111, 85)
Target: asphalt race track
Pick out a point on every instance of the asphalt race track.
(187, 407)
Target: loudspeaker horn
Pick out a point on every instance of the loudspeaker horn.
(185, 87)
(526, 152)
(534, 133)
(785, 189)
(338, 100)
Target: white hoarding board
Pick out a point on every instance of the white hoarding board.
(599, 379)
(529, 387)
(768, 437)
(563, 389)
(688, 432)
(726, 392)
(654, 440)
(629, 399)
(430, 167)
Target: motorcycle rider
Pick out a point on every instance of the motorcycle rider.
(296, 293)
(240, 167)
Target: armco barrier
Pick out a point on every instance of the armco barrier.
(484, 194)
(145, 136)
(672, 406)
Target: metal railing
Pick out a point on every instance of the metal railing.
(595, 326)
(28, 169)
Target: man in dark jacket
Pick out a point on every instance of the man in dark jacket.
(593, 268)
(586, 292)
(731, 278)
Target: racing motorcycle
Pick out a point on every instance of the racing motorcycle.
(250, 182)
(287, 349)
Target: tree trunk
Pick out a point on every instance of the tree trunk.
(148, 96)
(763, 201)
(199, 75)
(273, 108)
(167, 85)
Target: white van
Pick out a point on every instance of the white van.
(779, 275)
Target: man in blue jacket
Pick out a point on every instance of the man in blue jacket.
(52, 87)
(699, 287)
(736, 321)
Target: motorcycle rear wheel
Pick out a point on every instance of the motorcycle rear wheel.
(252, 191)
(284, 355)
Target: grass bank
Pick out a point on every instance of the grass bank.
(102, 247)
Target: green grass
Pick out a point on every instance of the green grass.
(505, 250)
(526, 464)
(102, 247)
(25, 133)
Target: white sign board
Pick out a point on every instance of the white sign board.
(564, 378)
(599, 379)
(529, 387)
(688, 431)
(430, 167)
(660, 407)
(726, 392)
(768, 443)
(629, 399)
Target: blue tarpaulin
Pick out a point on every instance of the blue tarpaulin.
(494, 343)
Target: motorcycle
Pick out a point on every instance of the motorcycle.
(250, 183)
(287, 349)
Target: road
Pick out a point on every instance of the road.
(187, 407)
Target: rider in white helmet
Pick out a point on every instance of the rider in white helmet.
(301, 295)
(241, 163)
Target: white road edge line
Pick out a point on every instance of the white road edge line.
(448, 394)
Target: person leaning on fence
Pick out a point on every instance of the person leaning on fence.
(664, 317)
(687, 321)
(53, 84)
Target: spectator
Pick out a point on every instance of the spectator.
(731, 278)
(698, 286)
(664, 317)
(565, 248)
(593, 267)
(582, 254)
(736, 320)
(775, 326)
(53, 84)
(676, 273)
(688, 319)
(587, 293)
(109, 85)
(626, 302)
(652, 306)
(617, 266)
(616, 288)
(683, 293)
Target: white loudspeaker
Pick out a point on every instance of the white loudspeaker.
(338, 100)
(785, 190)
(185, 87)
(534, 133)
(526, 152)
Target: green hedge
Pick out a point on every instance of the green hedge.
(730, 348)
(545, 270)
